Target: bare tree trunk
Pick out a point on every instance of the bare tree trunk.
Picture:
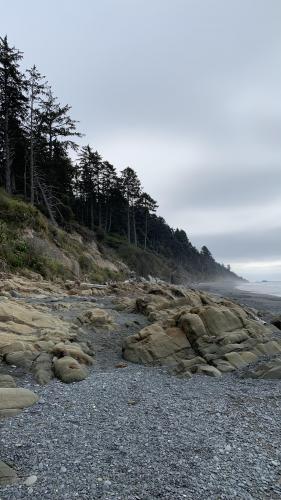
(134, 227)
(128, 223)
(110, 220)
(92, 214)
(8, 160)
(145, 233)
(31, 149)
(50, 212)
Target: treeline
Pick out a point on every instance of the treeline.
(37, 134)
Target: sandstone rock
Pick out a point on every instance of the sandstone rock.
(7, 474)
(74, 351)
(42, 368)
(12, 401)
(13, 347)
(68, 370)
(21, 359)
(208, 370)
(7, 381)
(223, 335)
(96, 317)
(270, 371)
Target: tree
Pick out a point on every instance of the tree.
(12, 106)
(148, 205)
(132, 189)
(56, 124)
(205, 252)
(89, 181)
(108, 188)
(36, 85)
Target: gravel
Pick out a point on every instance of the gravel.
(141, 433)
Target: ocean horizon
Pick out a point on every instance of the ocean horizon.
(262, 287)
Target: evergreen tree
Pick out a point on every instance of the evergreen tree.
(148, 205)
(12, 109)
(36, 86)
(132, 189)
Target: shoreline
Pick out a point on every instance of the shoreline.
(268, 306)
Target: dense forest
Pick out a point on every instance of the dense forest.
(37, 140)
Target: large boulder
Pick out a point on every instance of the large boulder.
(14, 400)
(68, 370)
(42, 368)
(7, 381)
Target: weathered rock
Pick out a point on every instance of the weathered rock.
(42, 368)
(208, 370)
(198, 331)
(68, 370)
(13, 347)
(7, 474)
(23, 359)
(73, 350)
(277, 322)
(13, 400)
(7, 381)
(96, 317)
(271, 371)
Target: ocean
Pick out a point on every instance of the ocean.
(268, 287)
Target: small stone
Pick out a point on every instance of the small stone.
(121, 365)
(275, 463)
(227, 447)
(30, 480)
(63, 469)
(107, 483)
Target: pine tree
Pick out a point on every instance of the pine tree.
(132, 189)
(148, 205)
(56, 124)
(12, 107)
(36, 85)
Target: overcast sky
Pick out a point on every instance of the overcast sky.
(188, 93)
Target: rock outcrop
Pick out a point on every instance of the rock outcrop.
(197, 333)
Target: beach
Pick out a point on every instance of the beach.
(266, 305)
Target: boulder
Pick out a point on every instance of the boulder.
(7, 381)
(74, 351)
(68, 370)
(208, 370)
(277, 321)
(270, 371)
(13, 347)
(23, 359)
(14, 400)
(42, 368)
(96, 317)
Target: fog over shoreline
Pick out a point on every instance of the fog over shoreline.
(188, 93)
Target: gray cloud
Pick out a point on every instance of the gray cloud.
(185, 91)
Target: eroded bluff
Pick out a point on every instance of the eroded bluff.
(198, 333)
